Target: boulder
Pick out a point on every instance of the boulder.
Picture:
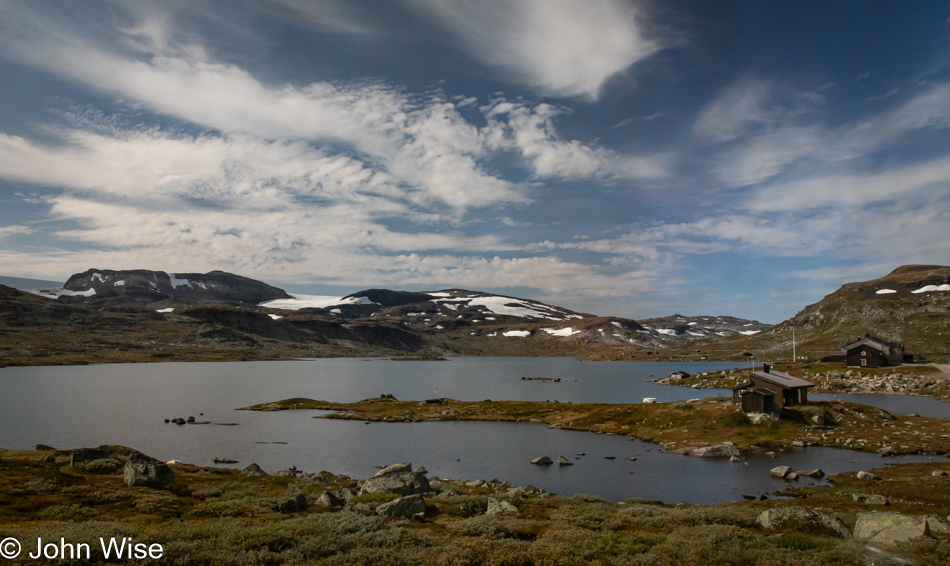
(938, 524)
(780, 471)
(403, 507)
(717, 451)
(83, 455)
(328, 499)
(884, 527)
(887, 451)
(394, 469)
(254, 471)
(542, 461)
(803, 519)
(403, 483)
(500, 507)
(421, 470)
(733, 458)
(940, 473)
(816, 473)
(142, 470)
(862, 475)
(344, 494)
(562, 461)
(870, 498)
(291, 504)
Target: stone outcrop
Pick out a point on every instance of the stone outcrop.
(254, 471)
(542, 461)
(407, 507)
(398, 478)
(803, 519)
(500, 507)
(863, 475)
(142, 470)
(780, 471)
(718, 451)
(886, 528)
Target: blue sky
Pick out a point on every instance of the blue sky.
(623, 158)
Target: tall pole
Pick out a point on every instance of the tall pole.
(794, 358)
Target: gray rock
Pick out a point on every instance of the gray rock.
(780, 471)
(887, 451)
(403, 483)
(940, 473)
(938, 524)
(717, 451)
(142, 470)
(562, 461)
(884, 527)
(291, 504)
(803, 519)
(403, 507)
(816, 473)
(328, 499)
(254, 471)
(870, 499)
(542, 461)
(394, 469)
(733, 458)
(500, 507)
(792, 476)
(421, 470)
(862, 475)
(344, 493)
(83, 455)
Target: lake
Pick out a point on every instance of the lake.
(74, 406)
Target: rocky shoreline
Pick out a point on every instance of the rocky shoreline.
(207, 515)
(676, 426)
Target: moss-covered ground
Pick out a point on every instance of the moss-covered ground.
(218, 516)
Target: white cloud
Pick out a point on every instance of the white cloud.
(738, 110)
(15, 229)
(530, 131)
(563, 47)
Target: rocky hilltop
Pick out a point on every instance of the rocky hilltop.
(679, 327)
(105, 287)
(910, 305)
(478, 323)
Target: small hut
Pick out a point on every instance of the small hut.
(769, 391)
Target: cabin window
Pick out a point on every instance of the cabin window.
(863, 353)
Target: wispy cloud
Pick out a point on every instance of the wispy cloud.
(563, 47)
(530, 130)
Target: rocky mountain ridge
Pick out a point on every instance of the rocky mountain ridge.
(141, 287)
(910, 305)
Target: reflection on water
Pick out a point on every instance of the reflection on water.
(126, 404)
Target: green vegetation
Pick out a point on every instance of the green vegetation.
(216, 516)
(677, 426)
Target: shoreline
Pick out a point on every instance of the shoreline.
(676, 426)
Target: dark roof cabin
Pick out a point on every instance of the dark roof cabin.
(768, 391)
(873, 352)
(679, 374)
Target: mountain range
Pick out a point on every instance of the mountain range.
(141, 315)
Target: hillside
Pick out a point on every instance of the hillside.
(910, 305)
(686, 328)
(158, 289)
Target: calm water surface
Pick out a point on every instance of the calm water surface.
(126, 404)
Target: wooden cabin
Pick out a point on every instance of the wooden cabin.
(769, 391)
(873, 352)
(678, 374)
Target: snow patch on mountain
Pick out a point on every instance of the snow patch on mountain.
(297, 302)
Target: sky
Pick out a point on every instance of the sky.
(617, 157)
